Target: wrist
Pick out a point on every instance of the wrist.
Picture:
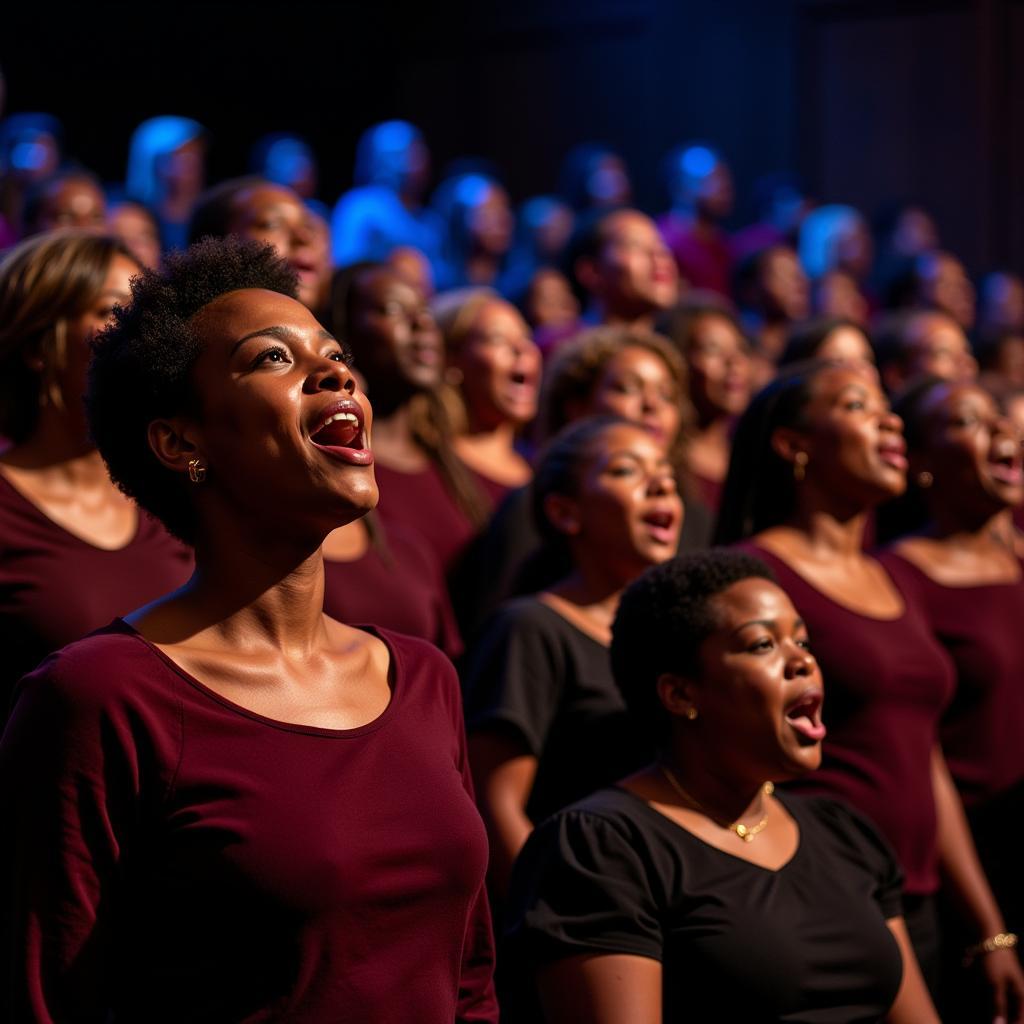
(997, 941)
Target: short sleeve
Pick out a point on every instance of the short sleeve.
(871, 850)
(514, 675)
(581, 885)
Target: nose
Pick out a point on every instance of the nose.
(800, 663)
(331, 375)
(890, 421)
(661, 482)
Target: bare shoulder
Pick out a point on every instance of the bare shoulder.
(924, 553)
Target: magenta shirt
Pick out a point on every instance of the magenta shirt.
(56, 587)
(887, 683)
(174, 857)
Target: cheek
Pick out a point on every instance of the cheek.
(617, 403)
(670, 418)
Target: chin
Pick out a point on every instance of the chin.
(804, 761)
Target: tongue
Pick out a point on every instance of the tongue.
(806, 726)
(339, 434)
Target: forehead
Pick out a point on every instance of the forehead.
(496, 314)
(847, 337)
(261, 196)
(381, 283)
(833, 380)
(251, 309)
(715, 327)
(625, 437)
(780, 258)
(75, 187)
(629, 225)
(950, 397)
(639, 360)
(940, 330)
(754, 598)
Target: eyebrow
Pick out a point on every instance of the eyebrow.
(768, 624)
(281, 333)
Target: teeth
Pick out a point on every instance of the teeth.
(338, 416)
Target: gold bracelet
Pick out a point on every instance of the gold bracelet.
(1004, 940)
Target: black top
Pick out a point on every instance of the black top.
(508, 558)
(534, 675)
(805, 943)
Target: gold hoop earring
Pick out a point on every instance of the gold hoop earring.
(925, 479)
(691, 713)
(196, 471)
(800, 461)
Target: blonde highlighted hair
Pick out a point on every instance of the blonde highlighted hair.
(575, 370)
(45, 282)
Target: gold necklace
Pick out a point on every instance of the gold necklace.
(745, 833)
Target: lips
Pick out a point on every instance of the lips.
(341, 433)
(804, 716)
(661, 525)
(1004, 464)
(893, 453)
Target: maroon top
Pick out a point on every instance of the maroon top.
(706, 263)
(421, 502)
(397, 584)
(175, 857)
(708, 491)
(981, 627)
(56, 587)
(887, 682)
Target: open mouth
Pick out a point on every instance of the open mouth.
(893, 453)
(341, 433)
(1004, 464)
(661, 525)
(804, 716)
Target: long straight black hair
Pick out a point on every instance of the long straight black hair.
(759, 489)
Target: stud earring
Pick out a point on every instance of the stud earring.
(691, 713)
(800, 461)
(196, 471)
(925, 479)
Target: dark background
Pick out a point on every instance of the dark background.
(867, 100)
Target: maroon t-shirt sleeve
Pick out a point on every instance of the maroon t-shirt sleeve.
(72, 787)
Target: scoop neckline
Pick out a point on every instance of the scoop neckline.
(893, 553)
(714, 849)
(395, 677)
(50, 521)
(760, 551)
(562, 618)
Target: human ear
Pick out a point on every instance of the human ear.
(175, 442)
(678, 695)
(789, 444)
(563, 513)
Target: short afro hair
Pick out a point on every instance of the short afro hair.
(662, 620)
(142, 364)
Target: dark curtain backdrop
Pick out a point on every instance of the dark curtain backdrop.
(867, 100)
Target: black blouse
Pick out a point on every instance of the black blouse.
(534, 676)
(807, 942)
